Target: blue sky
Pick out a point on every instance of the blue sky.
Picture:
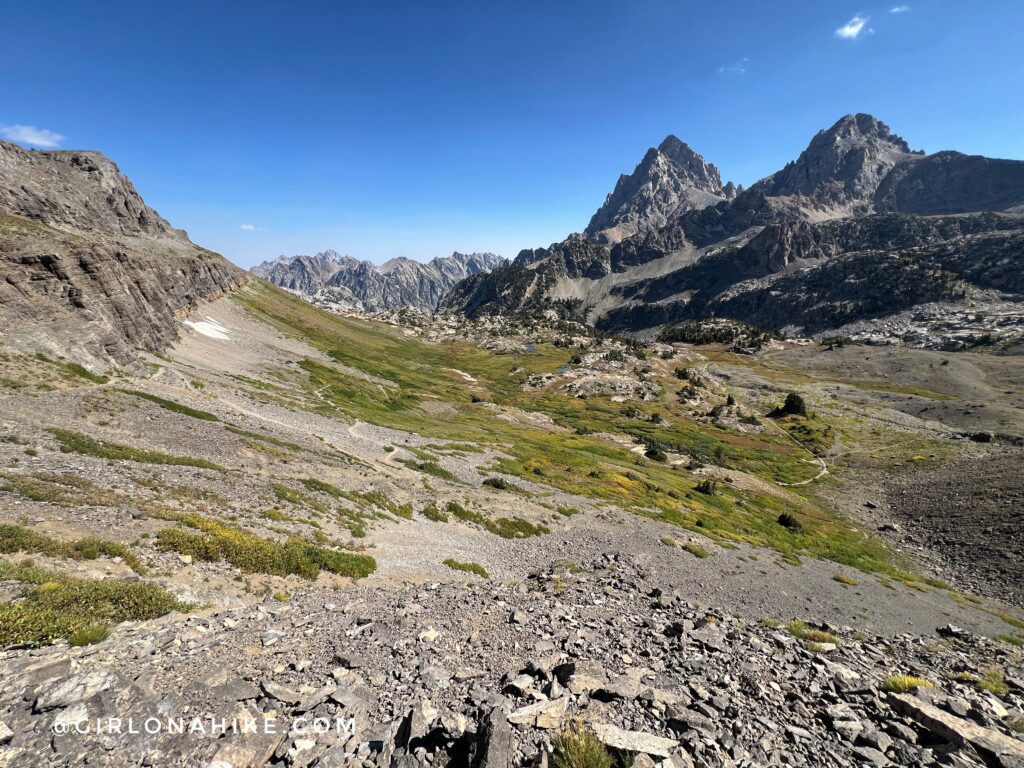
(417, 128)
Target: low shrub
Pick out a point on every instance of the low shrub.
(476, 568)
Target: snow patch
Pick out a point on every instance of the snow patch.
(209, 327)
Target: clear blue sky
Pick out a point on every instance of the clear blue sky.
(416, 128)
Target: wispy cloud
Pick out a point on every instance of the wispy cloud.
(32, 136)
(739, 68)
(852, 29)
(899, 9)
(249, 227)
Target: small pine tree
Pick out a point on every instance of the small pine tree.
(794, 405)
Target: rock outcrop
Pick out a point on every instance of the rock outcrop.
(341, 282)
(90, 272)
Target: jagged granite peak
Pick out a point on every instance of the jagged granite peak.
(857, 207)
(397, 283)
(91, 272)
(844, 165)
(671, 179)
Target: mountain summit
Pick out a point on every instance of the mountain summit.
(670, 180)
(857, 230)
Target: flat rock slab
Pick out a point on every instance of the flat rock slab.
(998, 749)
(634, 741)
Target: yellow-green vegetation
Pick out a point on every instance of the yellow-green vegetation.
(258, 437)
(431, 468)
(75, 442)
(904, 683)
(18, 538)
(74, 370)
(89, 635)
(801, 631)
(993, 680)
(696, 549)
(845, 580)
(283, 492)
(170, 405)
(57, 606)
(668, 541)
(476, 568)
(431, 512)
(377, 374)
(211, 540)
(578, 747)
(506, 527)
(768, 621)
(1015, 640)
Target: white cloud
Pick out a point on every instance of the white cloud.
(852, 29)
(739, 68)
(248, 227)
(29, 134)
(899, 9)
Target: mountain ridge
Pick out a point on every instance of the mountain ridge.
(331, 279)
(856, 169)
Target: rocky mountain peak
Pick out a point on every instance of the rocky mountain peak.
(76, 190)
(844, 165)
(670, 180)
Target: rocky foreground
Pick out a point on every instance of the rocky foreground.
(486, 673)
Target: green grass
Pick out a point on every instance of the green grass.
(213, 541)
(89, 635)
(904, 683)
(845, 580)
(75, 370)
(578, 747)
(170, 405)
(18, 538)
(696, 550)
(431, 468)
(57, 606)
(476, 568)
(801, 631)
(993, 680)
(76, 442)
(402, 382)
(506, 527)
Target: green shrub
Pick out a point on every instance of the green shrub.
(476, 568)
(76, 442)
(786, 520)
(17, 538)
(993, 680)
(252, 553)
(708, 487)
(497, 482)
(793, 406)
(431, 512)
(58, 606)
(170, 405)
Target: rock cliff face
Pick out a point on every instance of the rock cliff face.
(858, 228)
(89, 270)
(669, 181)
(341, 282)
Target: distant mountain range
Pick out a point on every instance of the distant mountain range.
(860, 234)
(342, 282)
